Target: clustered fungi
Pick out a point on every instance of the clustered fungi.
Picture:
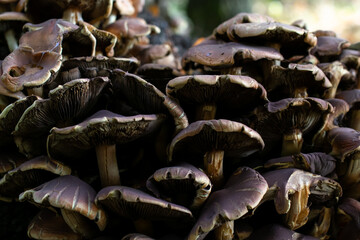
(252, 133)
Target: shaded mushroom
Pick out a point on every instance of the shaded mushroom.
(103, 131)
(291, 189)
(348, 219)
(206, 97)
(352, 97)
(328, 48)
(212, 141)
(241, 194)
(184, 184)
(288, 123)
(74, 198)
(277, 231)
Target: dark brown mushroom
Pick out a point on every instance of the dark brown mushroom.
(291, 189)
(210, 142)
(241, 194)
(328, 48)
(74, 198)
(183, 184)
(288, 123)
(206, 97)
(103, 131)
(348, 219)
(276, 232)
(352, 97)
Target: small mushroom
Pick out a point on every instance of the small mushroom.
(74, 198)
(352, 97)
(211, 142)
(241, 194)
(329, 48)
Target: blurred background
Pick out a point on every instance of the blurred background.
(198, 18)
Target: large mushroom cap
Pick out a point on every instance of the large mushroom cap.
(242, 193)
(236, 139)
(219, 91)
(277, 232)
(132, 203)
(68, 193)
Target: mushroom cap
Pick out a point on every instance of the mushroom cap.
(7, 18)
(70, 193)
(221, 90)
(227, 55)
(183, 179)
(221, 30)
(24, 68)
(317, 162)
(10, 160)
(67, 104)
(345, 142)
(352, 97)
(243, 192)
(236, 139)
(30, 174)
(341, 107)
(148, 99)
(91, 10)
(329, 46)
(131, 28)
(277, 232)
(11, 115)
(293, 40)
(47, 224)
(103, 127)
(136, 236)
(286, 182)
(295, 76)
(309, 115)
(133, 203)
(348, 219)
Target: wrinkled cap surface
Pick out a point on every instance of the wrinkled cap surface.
(70, 193)
(243, 192)
(236, 139)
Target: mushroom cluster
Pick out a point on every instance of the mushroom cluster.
(251, 133)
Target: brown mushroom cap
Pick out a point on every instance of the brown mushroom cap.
(242, 193)
(67, 104)
(290, 188)
(30, 174)
(348, 219)
(236, 139)
(329, 48)
(293, 40)
(276, 232)
(317, 162)
(24, 68)
(296, 80)
(306, 117)
(11, 115)
(219, 91)
(47, 224)
(227, 55)
(132, 203)
(345, 142)
(179, 181)
(221, 30)
(70, 194)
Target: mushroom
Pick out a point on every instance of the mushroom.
(289, 122)
(67, 104)
(183, 184)
(74, 198)
(352, 97)
(10, 160)
(348, 219)
(206, 97)
(277, 231)
(30, 174)
(241, 194)
(139, 206)
(211, 142)
(48, 224)
(329, 48)
(103, 131)
(291, 189)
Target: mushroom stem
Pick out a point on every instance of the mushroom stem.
(107, 164)
(298, 213)
(37, 91)
(85, 31)
(213, 166)
(292, 143)
(232, 70)
(78, 223)
(355, 120)
(300, 92)
(72, 15)
(111, 19)
(11, 40)
(225, 231)
(205, 112)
